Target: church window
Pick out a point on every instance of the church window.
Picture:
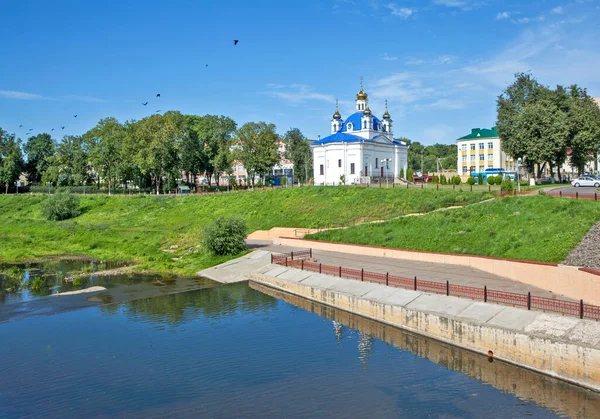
(364, 124)
(321, 170)
(339, 162)
(349, 126)
(351, 168)
(376, 163)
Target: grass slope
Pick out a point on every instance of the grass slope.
(534, 228)
(140, 228)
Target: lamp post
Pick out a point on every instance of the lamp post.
(518, 161)
(385, 162)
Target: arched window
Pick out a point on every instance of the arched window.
(349, 126)
(364, 124)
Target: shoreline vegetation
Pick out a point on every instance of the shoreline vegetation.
(164, 234)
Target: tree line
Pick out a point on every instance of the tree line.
(544, 126)
(153, 152)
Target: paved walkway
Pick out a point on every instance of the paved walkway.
(437, 272)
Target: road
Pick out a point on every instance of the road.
(570, 190)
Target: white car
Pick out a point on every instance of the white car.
(585, 181)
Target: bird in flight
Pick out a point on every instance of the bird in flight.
(235, 42)
(74, 116)
(30, 129)
(20, 126)
(52, 129)
(158, 95)
(158, 111)
(207, 65)
(145, 103)
(62, 127)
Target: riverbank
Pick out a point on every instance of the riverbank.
(163, 234)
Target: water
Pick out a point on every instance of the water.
(233, 351)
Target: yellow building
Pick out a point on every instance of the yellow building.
(480, 150)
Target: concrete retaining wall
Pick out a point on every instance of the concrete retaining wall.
(565, 280)
(562, 347)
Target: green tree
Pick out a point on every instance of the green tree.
(584, 127)
(157, 140)
(104, 143)
(69, 165)
(39, 149)
(193, 158)
(11, 159)
(401, 176)
(211, 131)
(222, 161)
(225, 236)
(471, 180)
(298, 151)
(258, 145)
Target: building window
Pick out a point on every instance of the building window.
(465, 170)
(328, 164)
(472, 157)
(364, 124)
(481, 146)
(472, 147)
(490, 156)
(349, 126)
(464, 158)
(340, 163)
(351, 168)
(321, 170)
(464, 147)
(481, 157)
(481, 168)
(491, 146)
(376, 163)
(471, 169)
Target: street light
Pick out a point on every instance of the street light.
(385, 162)
(518, 162)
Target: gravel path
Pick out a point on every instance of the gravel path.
(587, 252)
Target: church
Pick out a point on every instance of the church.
(359, 148)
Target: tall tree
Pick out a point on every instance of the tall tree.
(212, 130)
(222, 161)
(69, 166)
(584, 134)
(193, 159)
(105, 142)
(38, 149)
(11, 159)
(258, 148)
(298, 151)
(157, 141)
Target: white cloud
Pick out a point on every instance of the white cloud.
(503, 15)
(522, 20)
(442, 59)
(295, 94)
(12, 94)
(445, 59)
(389, 58)
(404, 12)
(558, 10)
(465, 5)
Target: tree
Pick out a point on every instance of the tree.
(211, 131)
(193, 159)
(298, 151)
(223, 161)
(104, 143)
(401, 176)
(258, 148)
(584, 128)
(427, 156)
(157, 141)
(11, 159)
(69, 165)
(409, 175)
(225, 236)
(38, 149)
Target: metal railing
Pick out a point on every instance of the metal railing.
(303, 260)
(576, 194)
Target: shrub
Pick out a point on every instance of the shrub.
(61, 206)
(498, 180)
(342, 179)
(401, 176)
(480, 179)
(471, 180)
(409, 174)
(456, 180)
(435, 179)
(507, 185)
(443, 180)
(225, 236)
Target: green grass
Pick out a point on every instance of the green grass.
(139, 229)
(534, 228)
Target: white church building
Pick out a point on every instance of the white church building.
(360, 147)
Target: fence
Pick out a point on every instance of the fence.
(303, 260)
(576, 194)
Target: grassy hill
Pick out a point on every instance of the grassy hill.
(535, 228)
(141, 228)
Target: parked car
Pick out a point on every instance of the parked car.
(585, 181)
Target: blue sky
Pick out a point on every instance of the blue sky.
(440, 63)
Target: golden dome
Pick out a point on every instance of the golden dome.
(337, 114)
(361, 95)
(368, 111)
(386, 115)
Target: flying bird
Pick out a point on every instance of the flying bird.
(158, 111)
(52, 129)
(74, 116)
(235, 42)
(158, 95)
(20, 126)
(145, 103)
(62, 127)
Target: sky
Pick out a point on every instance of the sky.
(440, 63)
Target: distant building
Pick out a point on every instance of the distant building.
(480, 150)
(359, 147)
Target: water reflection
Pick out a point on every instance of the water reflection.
(561, 397)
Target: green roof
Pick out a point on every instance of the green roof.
(480, 133)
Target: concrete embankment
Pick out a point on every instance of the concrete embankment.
(573, 402)
(563, 347)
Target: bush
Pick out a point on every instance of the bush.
(480, 179)
(471, 181)
(443, 180)
(435, 179)
(456, 180)
(225, 236)
(401, 176)
(507, 185)
(409, 174)
(61, 206)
